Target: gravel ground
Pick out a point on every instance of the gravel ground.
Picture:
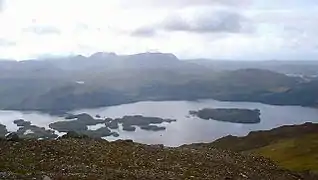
(99, 159)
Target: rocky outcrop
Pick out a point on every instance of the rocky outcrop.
(12, 137)
(26, 130)
(3, 131)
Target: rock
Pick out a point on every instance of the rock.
(228, 178)
(115, 134)
(35, 132)
(21, 122)
(3, 130)
(124, 159)
(243, 175)
(46, 178)
(74, 135)
(124, 141)
(98, 116)
(12, 137)
(157, 146)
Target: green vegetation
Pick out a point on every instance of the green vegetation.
(246, 116)
(295, 153)
(294, 147)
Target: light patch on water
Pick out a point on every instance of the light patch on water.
(95, 127)
(59, 133)
(80, 82)
(36, 118)
(29, 131)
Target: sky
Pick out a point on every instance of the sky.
(215, 29)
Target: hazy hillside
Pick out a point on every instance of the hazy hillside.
(107, 79)
(301, 67)
(305, 94)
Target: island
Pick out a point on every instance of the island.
(153, 128)
(145, 123)
(130, 123)
(244, 116)
(28, 131)
(79, 123)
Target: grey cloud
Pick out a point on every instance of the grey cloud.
(144, 32)
(42, 29)
(182, 3)
(221, 21)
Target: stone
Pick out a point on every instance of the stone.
(12, 137)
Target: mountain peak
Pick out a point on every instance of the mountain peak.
(103, 55)
(154, 56)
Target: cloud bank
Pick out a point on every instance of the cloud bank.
(217, 29)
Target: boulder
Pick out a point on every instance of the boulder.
(74, 135)
(21, 122)
(12, 137)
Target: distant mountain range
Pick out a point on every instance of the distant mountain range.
(103, 79)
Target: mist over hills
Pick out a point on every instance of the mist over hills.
(103, 79)
(300, 67)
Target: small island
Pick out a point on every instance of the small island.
(28, 131)
(79, 124)
(144, 123)
(244, 116)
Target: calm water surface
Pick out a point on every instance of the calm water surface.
(186, 129)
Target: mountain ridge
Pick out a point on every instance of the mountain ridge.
(69, 83)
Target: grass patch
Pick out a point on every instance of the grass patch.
(298, 154)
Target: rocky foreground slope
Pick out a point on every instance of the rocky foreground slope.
(99, 159)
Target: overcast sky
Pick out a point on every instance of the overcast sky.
(217, 29)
